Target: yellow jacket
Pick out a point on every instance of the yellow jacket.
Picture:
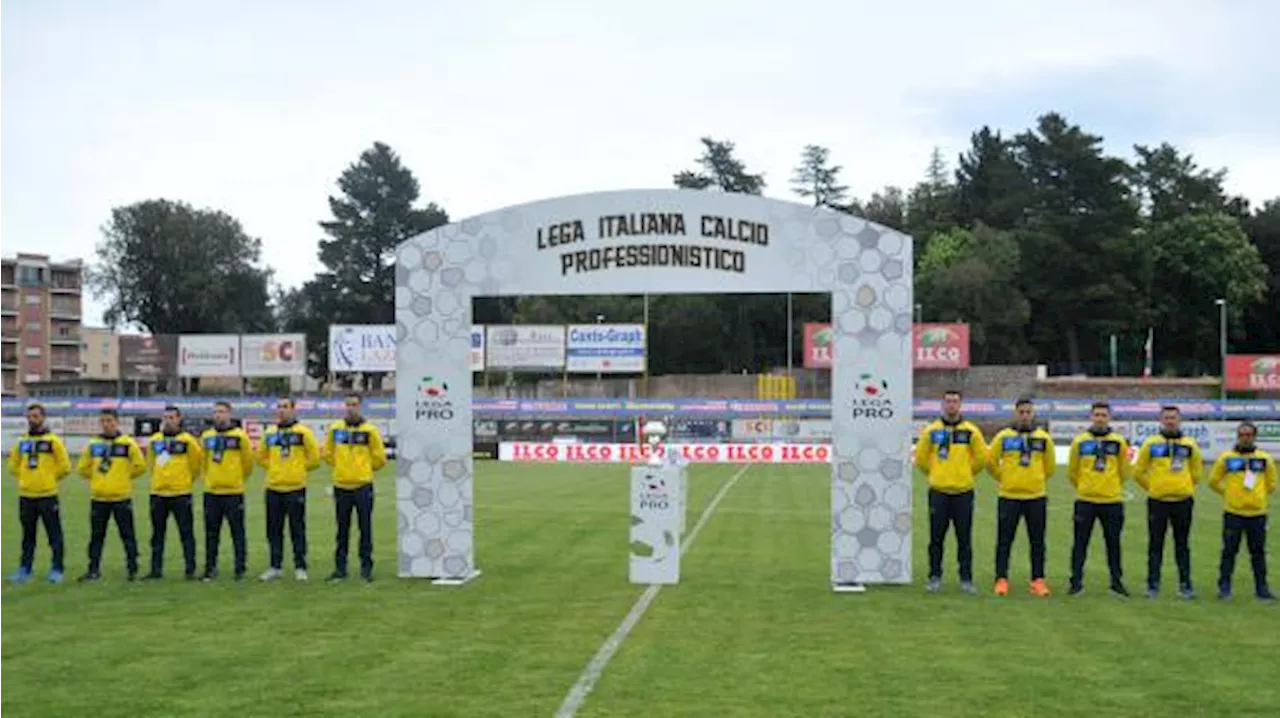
(1245, 479)
(288, 453)
(228, 461)
(1168, 468)
(175, 463)
(951, 455)
(1098, 465)
(39, 461)
(355, 451)
(111, 463)
(1021, 462)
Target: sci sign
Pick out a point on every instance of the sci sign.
(934, 346)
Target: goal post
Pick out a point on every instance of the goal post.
(658, 242)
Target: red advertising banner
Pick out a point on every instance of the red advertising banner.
(1253, 372)
(936, 346)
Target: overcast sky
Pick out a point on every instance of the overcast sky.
(255, 108)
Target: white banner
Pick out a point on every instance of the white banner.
(209, 355)
(362, 348)
(782, 430)
(273, 355)
(606, 348)
(528, 346)
(477, 347)
(656, 513)
(693, 453)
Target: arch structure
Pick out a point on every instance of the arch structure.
(658, 242)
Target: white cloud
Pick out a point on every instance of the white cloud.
(256, 111)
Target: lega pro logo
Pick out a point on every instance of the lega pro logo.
(432, 402)
(871, 398)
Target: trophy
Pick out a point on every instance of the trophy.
(654, 434)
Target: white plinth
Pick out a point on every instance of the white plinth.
(657, 512)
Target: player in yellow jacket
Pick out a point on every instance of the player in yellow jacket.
(1097, 467)
(288, 451)
(228, 462)
(39, 460)
(1246, 478)
(951, 452)
(1168, 468)
(1021, 460)
(175, 460)
(353, 447)
(111, 462)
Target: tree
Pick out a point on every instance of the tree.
(973, 275)
(1262, 320)
(174, 269)
(931, 205)
(373, 215)
(990, 186)
(720, 170)
(887, 207)
(1078, 242)
(1169, 184)
(1197, 258)
(815, 179)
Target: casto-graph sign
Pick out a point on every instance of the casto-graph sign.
(659, 242)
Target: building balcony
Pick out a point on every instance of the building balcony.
(64, 313)
(10, 338)
(9, 362)
(73, 339)
(64, 289)
(9, 311)
(65, 366)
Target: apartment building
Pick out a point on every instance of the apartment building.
(40, 310)
(100, 354)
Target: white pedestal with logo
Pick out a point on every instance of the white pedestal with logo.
(658, 499)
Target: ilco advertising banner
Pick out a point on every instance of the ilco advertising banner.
(1253, 372)
(526, 346)
(933, 346)
(283, 355)
(209, 355)
(548, 452)
(362, 348)
(606, 348)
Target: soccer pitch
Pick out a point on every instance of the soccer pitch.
(753, 628)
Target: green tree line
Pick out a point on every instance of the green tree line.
(1042, 241)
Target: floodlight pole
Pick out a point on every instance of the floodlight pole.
(1222, 344)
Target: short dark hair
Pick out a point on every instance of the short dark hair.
(217, 404)
(170, 407)
(354, 395)
(1101, 405)
(35, 405)
(1170, 407)
(1249, 424)
(287, 400)
(953, 392)
(109, 412)
(1022, 401)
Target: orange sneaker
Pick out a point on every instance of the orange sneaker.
(1002, 587)
(1040, 588)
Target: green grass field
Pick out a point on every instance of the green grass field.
(752, 630)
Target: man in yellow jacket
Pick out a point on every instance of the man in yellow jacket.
(353, 447)
(39, 460)
(951, 452)
(1246, 478)
(288, 451)
(1168, 468)
(228, 461)
(111, 462)
(1021, 460)
(175, 461)
(1097, 467)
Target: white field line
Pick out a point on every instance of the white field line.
(595, 667)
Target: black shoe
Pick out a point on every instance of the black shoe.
(239, 575)
(1224, 592)
(1266, 596)
(1119, 590)
(366, 576)
(90, 576)
(189, 576)
(337, 576)
(133, 575)
(153, 576)
(209, 575)
(1075, 589)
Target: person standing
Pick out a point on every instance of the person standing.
(175, 462)
(1246, 477)
(1021, 459)
(951, 452)
(288, 451)
(111, 462)
(39, 460)
(1097, 467)
(1168, 468)
(228, 461)
(354, 448)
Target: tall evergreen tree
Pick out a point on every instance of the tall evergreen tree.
(817, 180)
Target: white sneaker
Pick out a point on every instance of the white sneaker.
(300, 574)
(271, 574)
